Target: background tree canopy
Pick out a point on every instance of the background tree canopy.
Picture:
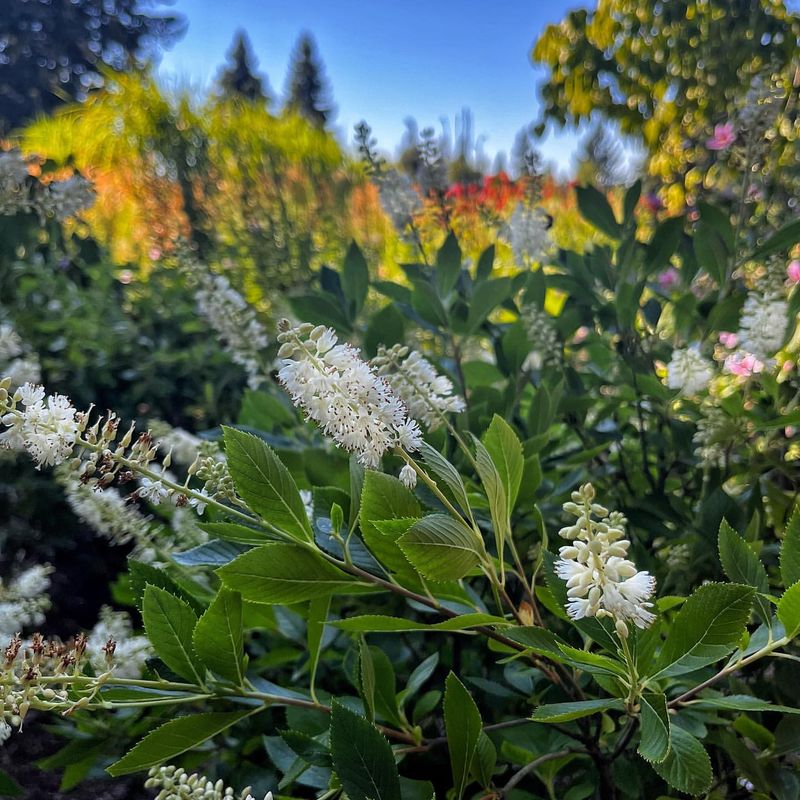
(666, 72)
(54, 52)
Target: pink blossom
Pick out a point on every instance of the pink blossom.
(724, 136)
(729, 340)
(743, 364)
(787, 366)
(793, 271)
(669, 279)
(580, 334)
(789, 431)
(155, 253)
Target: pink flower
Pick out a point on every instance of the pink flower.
(729, 340)
(669, 279)
(743, 364)
(580, 334)
(793, 271)
(653, 202)
(789, 431)
(787, 366)
(724, 136)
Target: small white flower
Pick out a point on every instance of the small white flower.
(688, 371)
(10, 343)
(408, 477)
(197, 504)
(153, 491)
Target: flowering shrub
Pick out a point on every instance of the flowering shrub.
(370, 597)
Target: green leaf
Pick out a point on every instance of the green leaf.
(441, 548)
(595, 209)
(285, 573)
(711, 252)
(173, 738)
(355, 278)
(448, 265)
(218, 638)
(464, 727)
(375, 623)
(485, 264)
(741, 702)
(789, 610)
(654, 744)
(632, 196)
(446, 472)
(427, 304)
(790, 550)
(142, 574)
(496, 495)
(708, 627)
(505, 449)
(362, 757)
(383, 497)
(742, 565)
(265, 484)
(687, 768)
(484, 761)
(664, 243)
(593, 662)
(486, 297)
(169, 623)
(781, 241)
(367, 677)
(233, 532)
(8, 786)
(564, 712)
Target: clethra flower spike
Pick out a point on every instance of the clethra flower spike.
(601, 581)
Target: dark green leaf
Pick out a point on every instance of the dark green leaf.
(790, 550)
(464, 727)
(441, 548)
(565, 712)
(595, 209)
(355, 278)
(654, 744)
(218, 638)
(687, 768)
(169, 623)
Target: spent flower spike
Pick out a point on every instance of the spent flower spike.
(601, 580)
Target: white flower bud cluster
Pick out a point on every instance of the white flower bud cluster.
(601, 581)
(427, 395)
(547, 350)
(528, 233)
(234, 321)
(400, 200)
(762, 326)
(24, 599)
(339, 391)
(176, 784)
(16, 361)
(130, 651)
(688, 371)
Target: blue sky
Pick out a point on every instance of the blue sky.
(389, 60)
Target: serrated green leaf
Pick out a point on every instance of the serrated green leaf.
(789, 610)
(565, 712)
(265, 484)
(282, 573)
(173, 738)
(169, 623)
(464, 727)
(781, 241)
(362, 757)
(441, 548)
(315, 628)
(655, 739)
(447, 473)
(218, 637)
(496, 495)
(708, 627)
(741, 702)
(486, 297)
(505, 450)
(790, 550)
(687, 768)
(383, 497)
(742, 565)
